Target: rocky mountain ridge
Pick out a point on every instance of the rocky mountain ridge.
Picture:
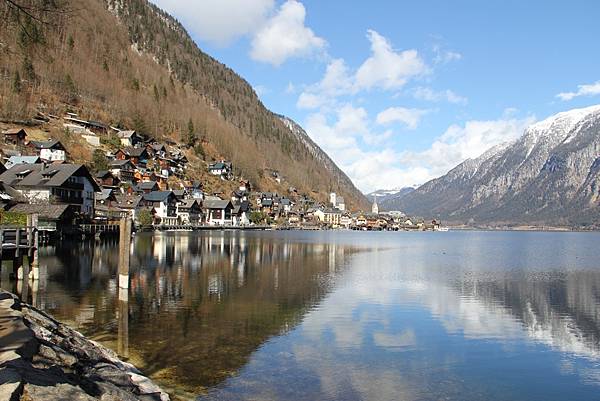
(548, 176)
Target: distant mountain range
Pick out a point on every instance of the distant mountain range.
(385, 195)
(548, 176)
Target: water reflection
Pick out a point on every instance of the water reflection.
(352, 316)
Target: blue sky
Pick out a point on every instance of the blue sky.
(397, 92)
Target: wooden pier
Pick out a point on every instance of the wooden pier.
(18, 242)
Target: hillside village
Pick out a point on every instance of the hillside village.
(151, 181)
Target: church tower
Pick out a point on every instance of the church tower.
(375, 208)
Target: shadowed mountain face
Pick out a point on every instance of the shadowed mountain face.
(550, 175)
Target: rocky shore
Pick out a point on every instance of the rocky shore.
(42, 359)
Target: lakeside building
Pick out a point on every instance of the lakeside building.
(69, 184)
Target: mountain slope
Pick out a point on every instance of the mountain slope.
(550, 175)
(128, 63)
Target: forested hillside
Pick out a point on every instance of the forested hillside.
(129, 64)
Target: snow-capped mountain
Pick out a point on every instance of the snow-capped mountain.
(550, 175)
(384, 195)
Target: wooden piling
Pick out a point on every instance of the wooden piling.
(124, 249)
(34, 262)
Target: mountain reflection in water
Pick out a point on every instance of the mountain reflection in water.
(336, 315)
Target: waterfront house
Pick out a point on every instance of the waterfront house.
(332, 217)
(15, 160)
(51, 150)
(129, 138)
(218, 212)
(164, 204)
(346, 220)
(123, 169)
(241, 214)
(128, 205)
(14, 136)
(52, 216)
(189, 211)
(69, 184)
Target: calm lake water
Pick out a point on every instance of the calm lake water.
(344, 315)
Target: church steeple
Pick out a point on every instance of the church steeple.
(375, 208)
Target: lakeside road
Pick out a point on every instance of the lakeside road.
(42, 359)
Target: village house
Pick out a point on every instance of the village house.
(69, 184)
(137, 156)
(164, 205)
(194, 189)
(332, 217)
(145, 187)
(123, 169)
(218, 212)
(221, 168)
(106, 178)
(189, 211)
(241, 214)
(128, 205)
(14, 136)
(346, 220)
(51, 150)
(129, 138)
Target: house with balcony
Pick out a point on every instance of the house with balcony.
(123, 169)
(218, 212)
(164, 204)
(189, 211)
(69, 184)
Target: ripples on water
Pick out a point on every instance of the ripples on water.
(344, 315)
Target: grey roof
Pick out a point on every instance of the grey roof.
(103, 173)
(266, 202)
(134, 152)
(104, 194)
(149, 185)
(45, 211)
(126, 134)
(13, 131)
(37, 175)
(15, 160)
(9, 194)
(157, 196)
(120, 163)
(217, 166)
(217, 204)
(128, 201)
(188, 203)
(51, 144)
(179, 193)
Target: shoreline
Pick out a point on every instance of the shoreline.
(41, 358)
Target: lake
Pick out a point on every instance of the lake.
(334, 315)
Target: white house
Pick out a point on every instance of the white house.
(218, 212)
(69, 184)
(51, 150)
(164, 204)
(129, 138)
(189, 211)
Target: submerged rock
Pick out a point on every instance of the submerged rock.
(43, 359)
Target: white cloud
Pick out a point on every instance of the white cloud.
(386, 68)
(582, 90)
(352, 144)
(410, 117)
(459, 143)
(431, 95)
(290, 88)
(219, 21)
(285, 36)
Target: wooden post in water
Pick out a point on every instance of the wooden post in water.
(124, 249)
(34, 274)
